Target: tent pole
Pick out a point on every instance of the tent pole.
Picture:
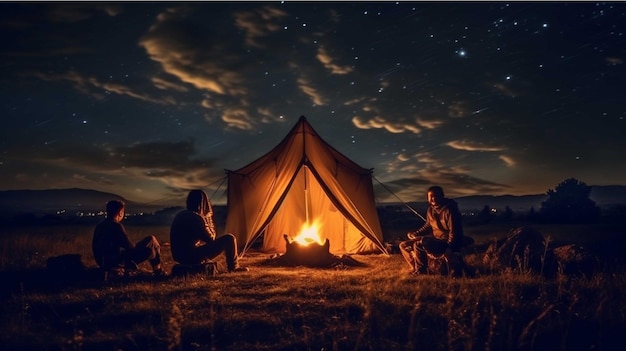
(306, 195)
(404, 203)
(219, 186)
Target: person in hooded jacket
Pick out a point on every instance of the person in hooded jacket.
(441, 234)
(193, 238)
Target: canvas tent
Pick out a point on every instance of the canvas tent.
(303, 179)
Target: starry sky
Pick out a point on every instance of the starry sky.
(149, 100)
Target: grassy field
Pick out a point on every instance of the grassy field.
(377, 306)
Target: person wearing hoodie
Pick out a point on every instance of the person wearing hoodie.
(441, 234)
(193, 237)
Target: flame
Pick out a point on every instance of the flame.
(308, 234)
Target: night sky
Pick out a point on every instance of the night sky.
(149, 100)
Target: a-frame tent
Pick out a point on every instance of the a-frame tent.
(303, 179)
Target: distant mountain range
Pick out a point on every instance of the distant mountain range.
(53, 200)
(85, 200)
(603, 195)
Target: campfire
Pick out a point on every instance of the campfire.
(307, 248)
(308, 235)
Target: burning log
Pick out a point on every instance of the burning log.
(307, 249)
(310, 254)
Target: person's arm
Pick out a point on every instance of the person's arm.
(420, 232)
(210, 226)
(123, 240)
(201, 229)
(456, 229)
(424, 229)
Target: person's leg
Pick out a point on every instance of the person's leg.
(421, 259)
(212, 250)
(148, 249)
(226, 243)
(406, 249)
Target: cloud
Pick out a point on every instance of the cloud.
(431, 124)
(354, 101)
(192, 55)
(457, 110)
(403, 157)
(77, 12)
(94, 87)
(307, 88)
(258, 24)
(454, 183)
(166, 84)
(614, 61)
(198, 55)
(508, 160)
(50, 29)
(268, 116)
(173, 164)
(237, 118)
(469, 146)
(410, 175)
(507, 91)
(381, 123)
(324, 57)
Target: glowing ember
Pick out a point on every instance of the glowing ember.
(308, 234)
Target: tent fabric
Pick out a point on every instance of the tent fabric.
(303, 180)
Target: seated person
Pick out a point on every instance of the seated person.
(193, 237)
(114, 252)
(442, 233)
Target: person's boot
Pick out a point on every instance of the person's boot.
(130, 268)
(238, 269)
(158, 271)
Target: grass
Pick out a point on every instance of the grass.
(374, 307)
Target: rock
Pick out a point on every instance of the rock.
(575, 260)
(524, 250)
(68, 266)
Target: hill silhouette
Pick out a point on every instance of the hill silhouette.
(87, 200)
(68, 200)
(56, 199)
